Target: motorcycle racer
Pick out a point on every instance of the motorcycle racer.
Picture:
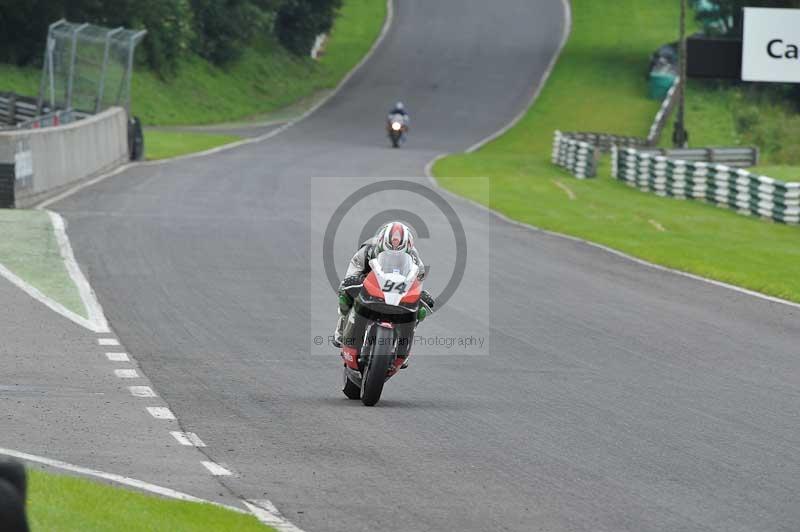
(394, 236)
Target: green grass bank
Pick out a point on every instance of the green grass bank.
(264, 80)
(68, 504)
(599, 85)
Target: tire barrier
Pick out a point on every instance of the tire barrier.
(579, 152)
(724, 186)
(577, 156)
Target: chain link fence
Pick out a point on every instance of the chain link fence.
(86, 67)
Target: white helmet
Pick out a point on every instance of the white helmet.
(399, 106)
(395, 236)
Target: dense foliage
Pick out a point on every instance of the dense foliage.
(218, 30)
(725, 16)
(300, 21)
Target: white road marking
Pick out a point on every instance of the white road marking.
(118, 357)
(160, 412)
(126, 373)
(142, 391)
(266, 512)
(90, 302)
(119, 479)
(216, 469)
(188, 438)
(565, 188)
(657, 225)
(107, 341)
(52, 304)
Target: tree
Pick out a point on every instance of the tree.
(298, 22)
(726, 16)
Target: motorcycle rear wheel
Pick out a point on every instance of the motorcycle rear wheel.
(377, 367)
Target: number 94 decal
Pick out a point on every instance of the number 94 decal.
(389, 286)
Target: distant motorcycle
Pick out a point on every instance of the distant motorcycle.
(386, 302)
(397, 127)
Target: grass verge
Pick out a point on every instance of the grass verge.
(28, 248)
(598, 85)
(166, 144)
(62, 503)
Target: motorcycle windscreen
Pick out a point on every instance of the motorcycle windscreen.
(396, 262)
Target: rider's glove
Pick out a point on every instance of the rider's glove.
(345, 299)
(426, 305)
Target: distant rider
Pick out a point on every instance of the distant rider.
(392, 236)
(400, 109)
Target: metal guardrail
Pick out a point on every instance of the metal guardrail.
(738, 157)
(52, 119)
(15, 109)
(604, 141)
(662, 116)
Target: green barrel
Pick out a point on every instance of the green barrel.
(659, 84)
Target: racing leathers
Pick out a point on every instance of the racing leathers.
(348, 333)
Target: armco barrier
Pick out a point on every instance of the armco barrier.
(35, 163)
(729, 187)
(739, 157)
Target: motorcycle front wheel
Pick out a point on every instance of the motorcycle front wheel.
(377, 367)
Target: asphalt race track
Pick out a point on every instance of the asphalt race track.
(611, 396)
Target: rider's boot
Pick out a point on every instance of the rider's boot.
(337, 334)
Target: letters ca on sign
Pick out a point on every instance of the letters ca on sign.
(778, 49)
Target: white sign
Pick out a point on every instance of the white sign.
(771, 47)
(23, 164)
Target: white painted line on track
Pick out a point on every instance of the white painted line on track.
(90, 302)
(160, 412)
(142, 391)
(52, 304)
(216, 469)
(119, 479)
(126, 373)
(266, 512)
(118, 357)
(108, 341)
(188, 438)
